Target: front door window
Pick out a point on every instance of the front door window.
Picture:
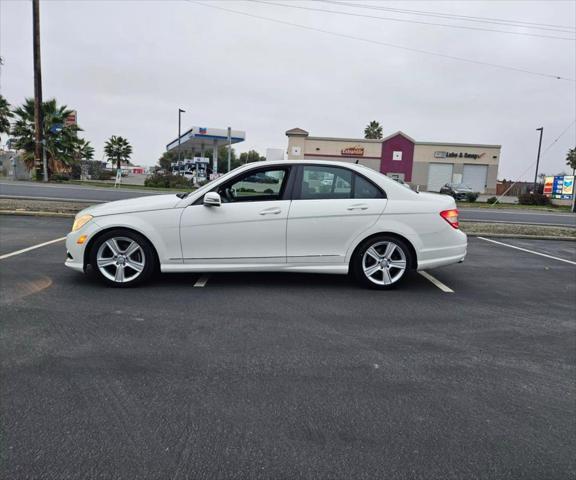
(260, 186)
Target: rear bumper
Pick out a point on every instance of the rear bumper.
(450, 249)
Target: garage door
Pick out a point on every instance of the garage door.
(475, 177)
(439, 174)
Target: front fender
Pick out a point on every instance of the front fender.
(160, 227)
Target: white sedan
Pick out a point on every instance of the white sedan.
(290, 216)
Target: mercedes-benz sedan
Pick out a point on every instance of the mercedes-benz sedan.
(289, 216)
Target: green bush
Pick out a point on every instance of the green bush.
(492, 200)
(103, 175)
(167, 181)
(472, 196)
(60, 177)
(533, 199)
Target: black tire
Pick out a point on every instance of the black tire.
(144, 257)
(401, 253)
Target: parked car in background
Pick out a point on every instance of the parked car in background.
(320, 217)
(459, 191)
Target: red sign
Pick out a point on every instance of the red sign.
(356, 151)
(548, 185)
(71, 119)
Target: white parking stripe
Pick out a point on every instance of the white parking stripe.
(34, 247)
(202, 281)
(436, 282)
(526, 250)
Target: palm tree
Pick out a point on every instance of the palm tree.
(60, 139)
(5, 115)
(84, 150)
(118, 150)
(373, 130)
(571, 159)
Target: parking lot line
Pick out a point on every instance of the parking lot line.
(436, 282)
(529, 251)
(202, 281)
(33, 247)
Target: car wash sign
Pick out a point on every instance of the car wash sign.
(559, 187)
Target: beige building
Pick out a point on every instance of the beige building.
(427, 164)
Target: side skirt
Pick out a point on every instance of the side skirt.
(340, 269)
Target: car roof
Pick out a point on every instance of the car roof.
(328, 163)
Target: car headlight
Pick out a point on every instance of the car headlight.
(79, 222)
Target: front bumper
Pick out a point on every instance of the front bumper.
(74, 250)
(460, 196)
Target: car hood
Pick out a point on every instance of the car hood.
(140, 204)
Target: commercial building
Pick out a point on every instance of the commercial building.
(426, 164)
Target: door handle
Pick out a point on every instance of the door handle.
(360, 206)
(270, 211)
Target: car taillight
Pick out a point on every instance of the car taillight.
(451, 216)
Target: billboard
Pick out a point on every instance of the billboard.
(560, 187)
(71, 119)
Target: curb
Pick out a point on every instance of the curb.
(29, 213)
(51, 199)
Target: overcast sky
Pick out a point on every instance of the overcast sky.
(127, 66)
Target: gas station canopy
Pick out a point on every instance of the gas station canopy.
(199, 139)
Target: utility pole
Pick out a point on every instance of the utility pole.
(39, 153)
(229, 146)
(541, 130)
(180, 112)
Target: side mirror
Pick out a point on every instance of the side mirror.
(212, 199)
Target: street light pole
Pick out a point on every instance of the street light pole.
(39, 147)
(229, 146)
(180, 112)
(541, 129)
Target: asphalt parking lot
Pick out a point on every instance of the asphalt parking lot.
(288, 376)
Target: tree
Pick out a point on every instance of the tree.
(373, 130)
(250, 156)
(165, 161)
(571, 159)
(84, 150)
(5, 115)
(61, 140)
(118, 150)
(223, 159)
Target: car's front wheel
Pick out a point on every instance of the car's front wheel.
(381, 262)
(122, 258)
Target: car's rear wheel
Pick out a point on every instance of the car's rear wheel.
(122, 258)
(381, 262)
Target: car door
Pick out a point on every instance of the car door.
(331, 206)
(248, 227)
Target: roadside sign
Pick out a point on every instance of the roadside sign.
(559, 187)
(71, 119)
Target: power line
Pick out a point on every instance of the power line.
(468, 18)
(559, 136)
(464, 27)
(385, 44)
(534, 162)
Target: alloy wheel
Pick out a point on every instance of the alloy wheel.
(384, 263)
(120, 259)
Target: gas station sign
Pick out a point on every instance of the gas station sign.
(560, 187)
